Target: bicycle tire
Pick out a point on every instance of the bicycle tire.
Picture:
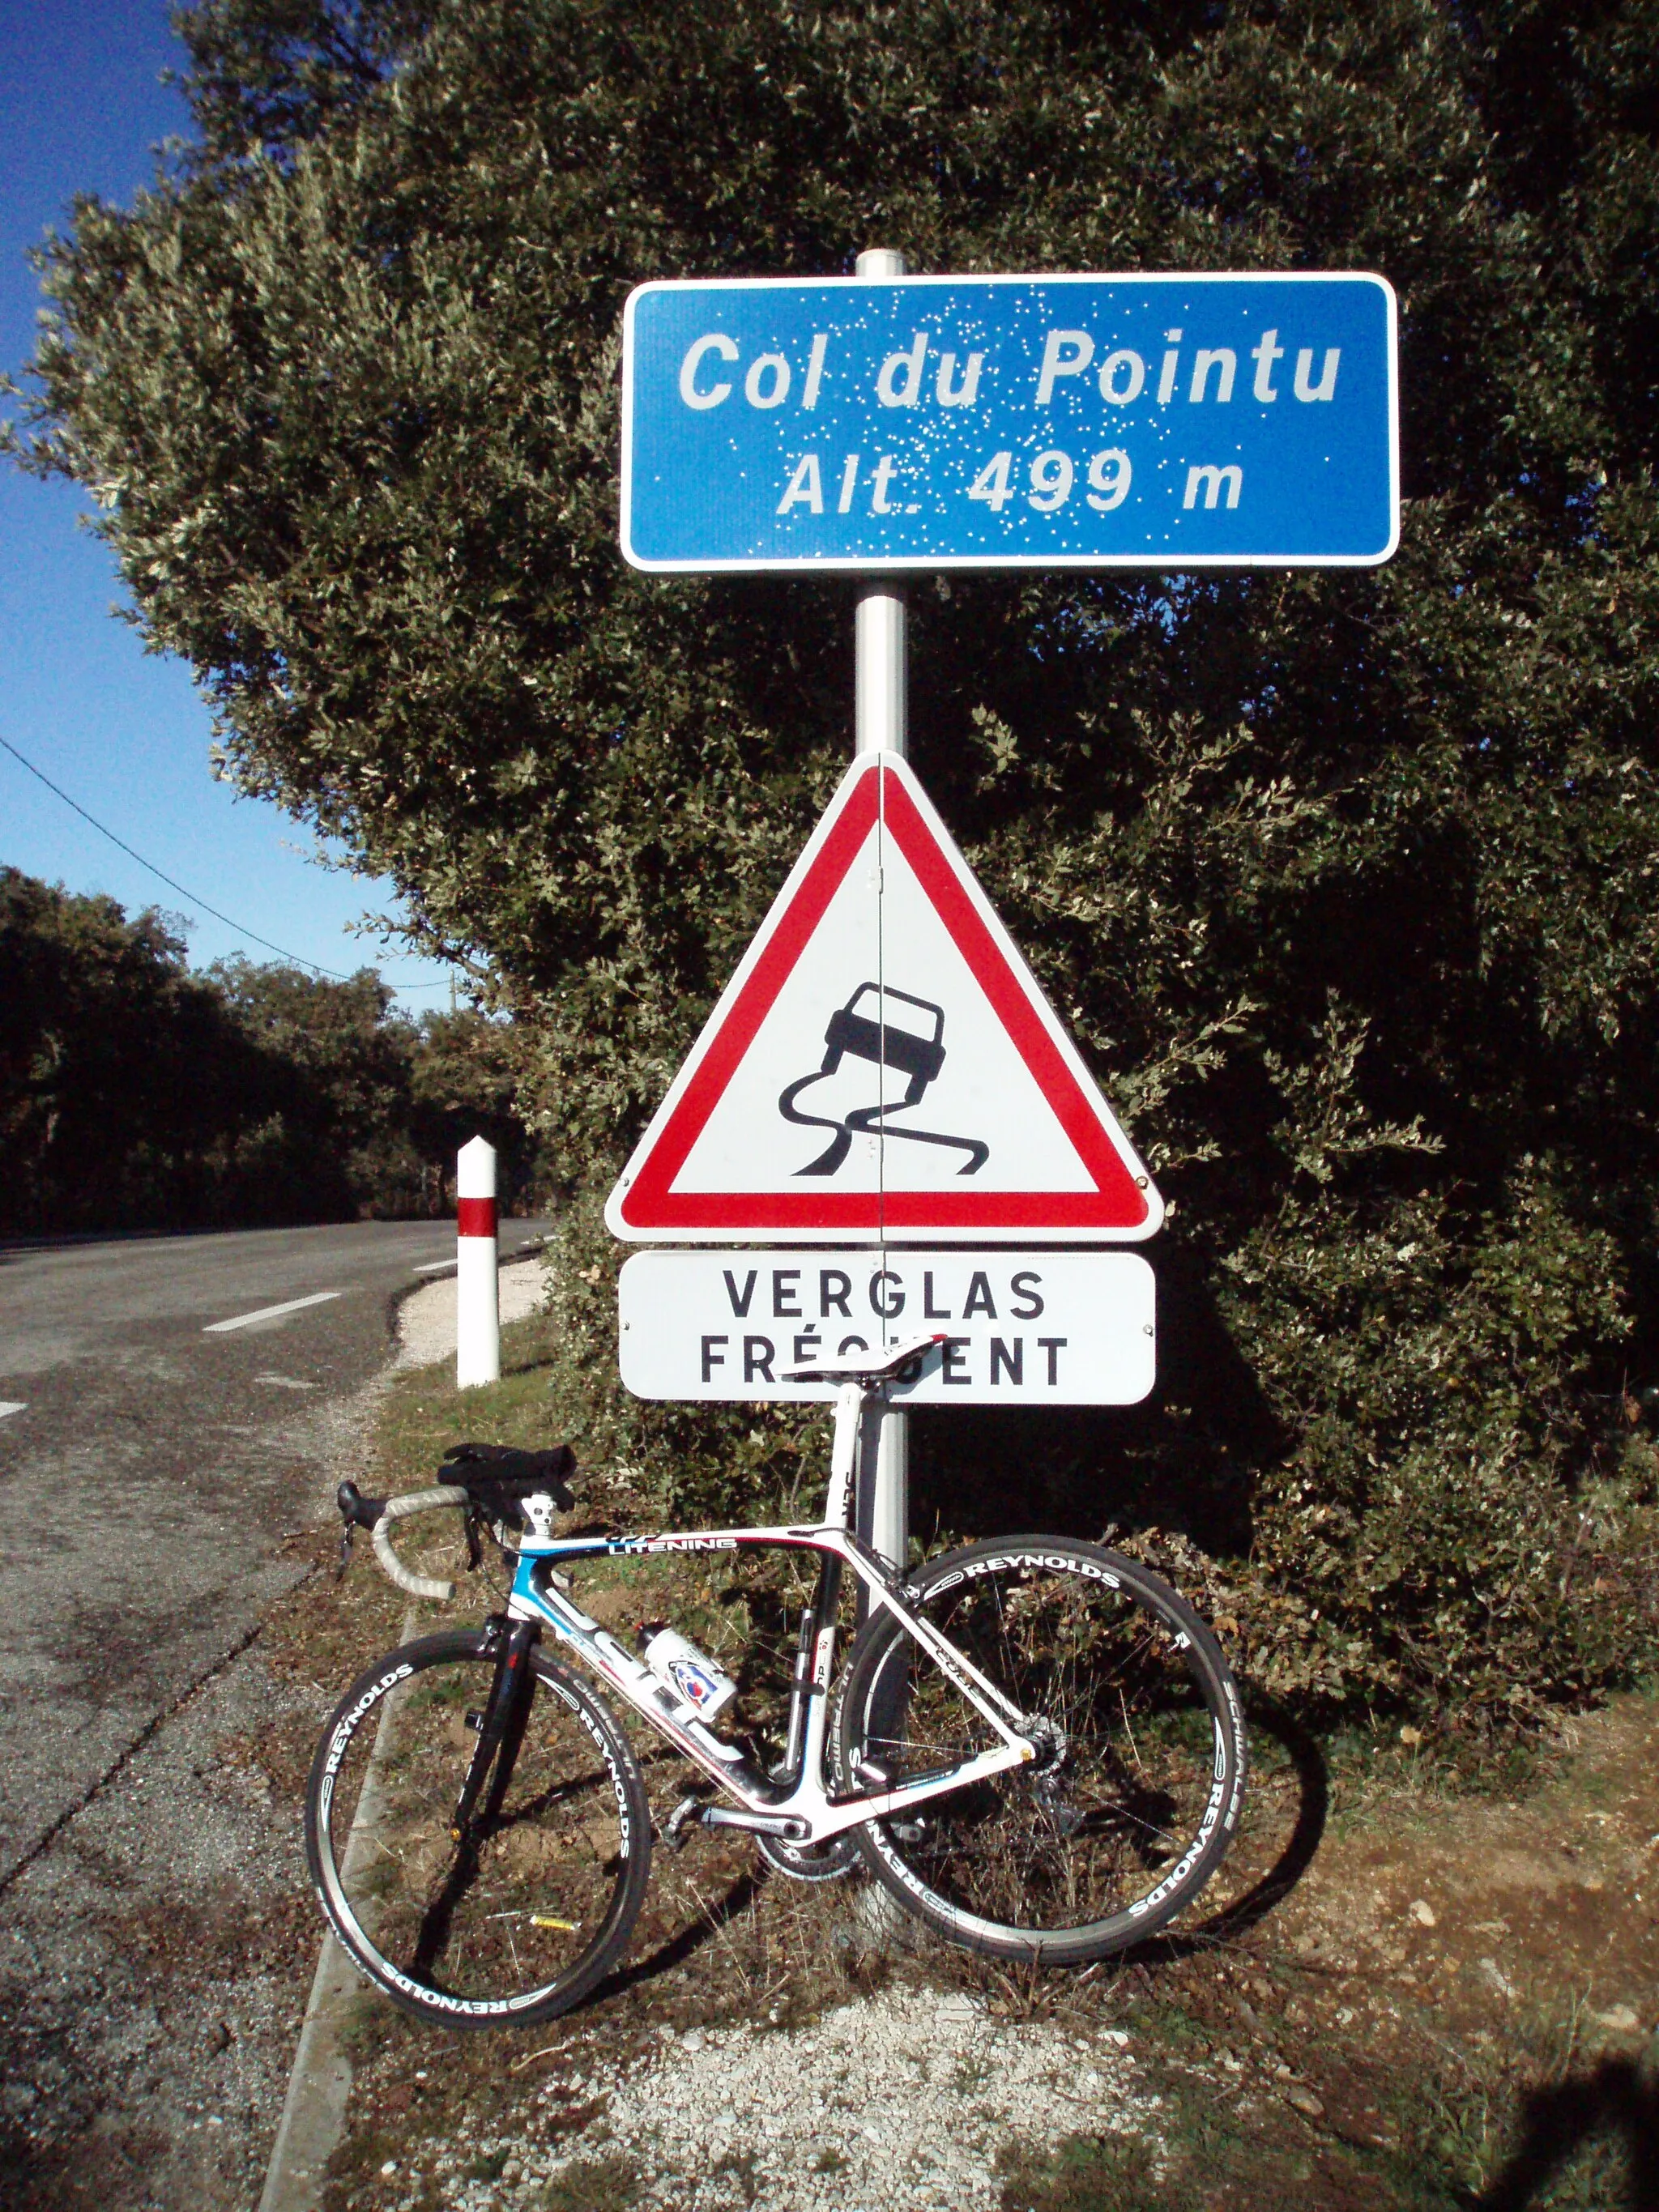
(1127, 1811)
(452, 1933)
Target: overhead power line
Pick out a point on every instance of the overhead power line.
(173, 883)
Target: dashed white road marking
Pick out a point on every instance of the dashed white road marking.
(432, 1267)
(270, 1313)
(13, 1405)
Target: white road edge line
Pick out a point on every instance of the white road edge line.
(13, 1405)
(270, 1313)
(432, 1267)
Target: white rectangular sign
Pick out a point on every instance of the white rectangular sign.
(1058, 1328)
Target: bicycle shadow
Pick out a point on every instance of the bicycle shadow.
(1266, 1716)
(1617, 2097)
(686, 1944)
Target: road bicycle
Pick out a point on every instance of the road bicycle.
(1034, 1745)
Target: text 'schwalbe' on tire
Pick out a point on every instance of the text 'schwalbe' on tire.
(522, 1923)
(1134, 1801)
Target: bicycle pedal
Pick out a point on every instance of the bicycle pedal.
(686, 1814)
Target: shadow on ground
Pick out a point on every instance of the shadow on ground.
(1618, 2098)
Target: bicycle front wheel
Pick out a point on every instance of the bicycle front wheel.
(521, 1919)
(1133, 1798)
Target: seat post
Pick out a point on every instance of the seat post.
(844, 1454)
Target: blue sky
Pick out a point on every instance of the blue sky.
(122, 730)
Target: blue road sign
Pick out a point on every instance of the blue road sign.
(1171, 423)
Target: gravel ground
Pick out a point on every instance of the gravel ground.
(903, 2099)
(153, 1974)
(426, 1321)
(154, 1957)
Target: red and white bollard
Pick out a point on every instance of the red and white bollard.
(478, 1309)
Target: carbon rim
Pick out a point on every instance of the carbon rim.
(522, 1918)
(1137, 1788)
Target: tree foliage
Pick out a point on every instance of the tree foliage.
(134, 1094)
(1344, 882)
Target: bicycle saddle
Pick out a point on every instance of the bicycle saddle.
(497, 1476)
(887, 1365)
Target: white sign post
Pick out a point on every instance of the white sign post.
(882, 724)
(477, 1309)
(884, 1068)
(883, 1074)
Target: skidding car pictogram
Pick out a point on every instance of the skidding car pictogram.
(891, 1038)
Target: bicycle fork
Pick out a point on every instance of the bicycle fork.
(500, 1727)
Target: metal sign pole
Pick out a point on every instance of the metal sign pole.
(881, 723)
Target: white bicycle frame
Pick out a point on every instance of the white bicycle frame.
(803, 1812)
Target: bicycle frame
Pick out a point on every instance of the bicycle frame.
(800, 1807)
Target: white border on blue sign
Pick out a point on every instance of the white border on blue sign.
(869, 564)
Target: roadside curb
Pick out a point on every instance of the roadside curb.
(314, 2110)
(320, 2086)
(318, 2091)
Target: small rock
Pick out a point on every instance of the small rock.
(390, 2166)
(1304, 2101)
(1493, 1972)
(1422, 1911)
(1621, 2018)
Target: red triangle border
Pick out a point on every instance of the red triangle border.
(1119, 1202)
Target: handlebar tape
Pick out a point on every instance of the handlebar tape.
(398, 1508)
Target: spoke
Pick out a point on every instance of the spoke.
(1133, 1776)
(452, 1917)
(1002, 1631)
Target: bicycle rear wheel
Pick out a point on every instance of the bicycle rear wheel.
(1133, 1797)
(520, 1920)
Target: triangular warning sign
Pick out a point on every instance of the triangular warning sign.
(882, 1065)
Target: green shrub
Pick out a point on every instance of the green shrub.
(1344, 882)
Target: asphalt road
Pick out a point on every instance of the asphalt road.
(155, 1467)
